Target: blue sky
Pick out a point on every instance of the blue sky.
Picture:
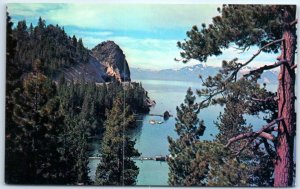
(147, 33)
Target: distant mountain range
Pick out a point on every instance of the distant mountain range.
(191, 73)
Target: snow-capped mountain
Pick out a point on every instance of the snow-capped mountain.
(191, 73)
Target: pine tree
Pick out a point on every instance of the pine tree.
(183, 150)
(38, 124)
(12, 82)
(257, 161)
(74, 41)
(271, 28)
(116, 167)
(206, 163)
(75, 151)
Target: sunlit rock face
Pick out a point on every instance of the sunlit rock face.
(106, 63)
(111, 56)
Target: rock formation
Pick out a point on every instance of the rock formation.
(106, 63)
(110, 55)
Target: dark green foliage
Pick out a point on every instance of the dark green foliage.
(50, 44)
(243, 25)
(256, 161)
(183, 150)
(48, 123)
(217, 166)
(136, 97)
(37, 123)
(252, 158)
(116, 167)
(12, 81)
(89, 101)
(74, 150)
(83, 101)
(206, 163)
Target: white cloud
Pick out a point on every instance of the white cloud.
(92, 33)
(120, 16)
(100, 22)
(23, 9)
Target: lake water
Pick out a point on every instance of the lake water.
(151, 140)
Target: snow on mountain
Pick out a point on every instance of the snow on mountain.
(191, 73)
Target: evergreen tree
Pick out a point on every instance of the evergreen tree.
(183, 150)
(75, 151)
(206, 163)
(48, 43)
(116, 166)
(12, 81)
(256, 161)
(271, 28)
(38, 123)
(74, 40)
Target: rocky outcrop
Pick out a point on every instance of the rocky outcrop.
(106, 63)
(92, 71)
(111, 56)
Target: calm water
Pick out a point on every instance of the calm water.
(151, 140)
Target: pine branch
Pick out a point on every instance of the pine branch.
(208, 99)
(271, 129)
(233, 75)
(259, 51)
(253, 134)
(266, 67)
(294, 22)
(263, 135)
(267, 136)
(241, 65)
(268, 99)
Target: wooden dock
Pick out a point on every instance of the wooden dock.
(159, 115)
(155, 158)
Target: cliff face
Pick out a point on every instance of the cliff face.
(111, 56)
(106, 62)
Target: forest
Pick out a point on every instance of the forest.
(49, 121)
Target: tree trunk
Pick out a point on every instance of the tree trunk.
(283, 175)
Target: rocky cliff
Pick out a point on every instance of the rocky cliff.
(106, 63)
(111, 56)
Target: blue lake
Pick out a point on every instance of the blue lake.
(151, 140)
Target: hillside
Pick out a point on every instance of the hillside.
(62, 55)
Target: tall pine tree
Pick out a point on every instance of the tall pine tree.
(12, 82)
(38, 123)
(272, 29)
(183, 150)
(116, 166)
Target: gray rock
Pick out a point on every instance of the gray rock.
(110, 55)
(106, 62)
